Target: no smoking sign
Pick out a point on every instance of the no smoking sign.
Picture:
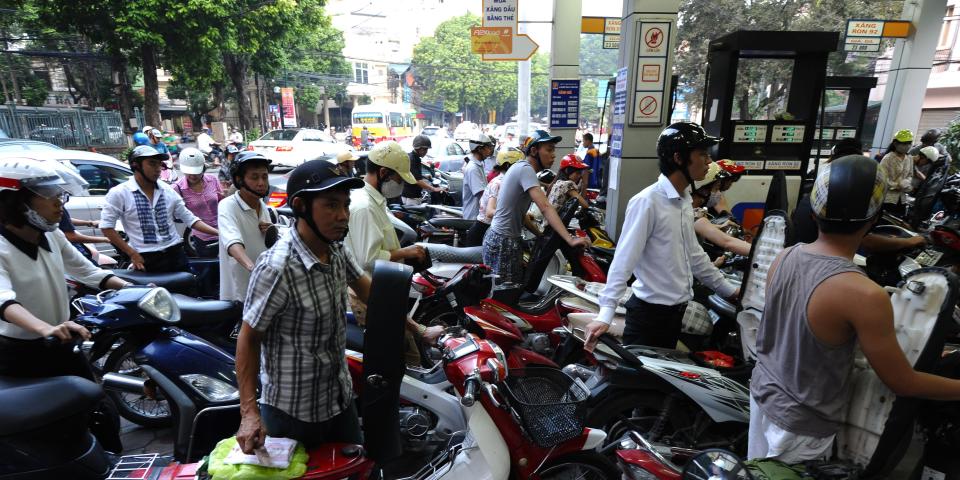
(647, 107)
(654, 38)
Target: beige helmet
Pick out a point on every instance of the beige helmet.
(391, 155)
(346, 156)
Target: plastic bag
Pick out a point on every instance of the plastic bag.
(221, 471)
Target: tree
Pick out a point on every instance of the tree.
(697, 27)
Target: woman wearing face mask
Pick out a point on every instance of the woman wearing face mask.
(201, 193)
(707, 196)
(898, 167)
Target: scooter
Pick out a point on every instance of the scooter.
(871, 441)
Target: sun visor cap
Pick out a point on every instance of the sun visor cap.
(318, 176)
(390, 154)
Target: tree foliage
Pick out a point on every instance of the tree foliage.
(762, 86)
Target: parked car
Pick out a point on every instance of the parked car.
(465, 130)
(56, 135)
(22, 146)
(291, 147)
(434, 131)
(102, 172)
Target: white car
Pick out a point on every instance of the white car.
(102, 172)
(465, 131)
(291, 147)
(434, 131)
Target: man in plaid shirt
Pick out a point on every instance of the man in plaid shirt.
(295, 320)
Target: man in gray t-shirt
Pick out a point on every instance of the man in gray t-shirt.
(502, 246)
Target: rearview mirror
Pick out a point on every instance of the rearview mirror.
(716, 464)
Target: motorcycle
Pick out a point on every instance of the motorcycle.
(870, 445)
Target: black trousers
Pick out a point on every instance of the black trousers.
(651, 324)
(173, 259)
(475, 234)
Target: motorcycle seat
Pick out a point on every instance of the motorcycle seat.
(31, 403)
(538, 305)
(418, 209)
(175, 282)
(448, 254)
(451, 222)
(195, 312)
(602, 250)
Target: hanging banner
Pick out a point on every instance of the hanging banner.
(289, 107)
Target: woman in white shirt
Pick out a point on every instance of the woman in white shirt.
(897, 165)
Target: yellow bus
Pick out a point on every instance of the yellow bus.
(383, 121)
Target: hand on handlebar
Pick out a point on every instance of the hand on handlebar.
(592, 333)
(583, 242)
(431, 334)
(65, 331)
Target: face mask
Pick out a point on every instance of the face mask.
(714, 199)
(391, 189)
(37, 221)
(903, 148)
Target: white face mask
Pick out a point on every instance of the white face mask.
(39, 222)
(714, 199)
(391, 189)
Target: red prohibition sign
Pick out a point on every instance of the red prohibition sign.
(653, 38)
(648, 105)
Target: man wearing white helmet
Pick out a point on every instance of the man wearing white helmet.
(201, 192)
(474, 178)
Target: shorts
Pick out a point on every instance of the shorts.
(504, 255)
(767, 440)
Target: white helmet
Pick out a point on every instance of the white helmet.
(478, 140)
(191, 161)
(47, 179)
(146, 129)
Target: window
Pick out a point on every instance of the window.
(287, 134)
(101, 177)
(947, 31)
(368, 118)
(396, 119)
(360, 73)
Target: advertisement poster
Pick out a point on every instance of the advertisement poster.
(289, 108)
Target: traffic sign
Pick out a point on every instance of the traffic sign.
(503, 14)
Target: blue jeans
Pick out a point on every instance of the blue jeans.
(342, 428)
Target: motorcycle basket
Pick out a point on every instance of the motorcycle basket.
(548, 403)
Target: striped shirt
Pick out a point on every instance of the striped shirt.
(300, 306)
(147, 222)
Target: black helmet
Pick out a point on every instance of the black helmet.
(930, 137)
(546, 176)
(848, 189)
(318, 176)
(421, 141)
(681, 137)
(243, 161)
(538, 137)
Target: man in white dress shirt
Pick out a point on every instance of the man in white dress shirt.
(659, 247)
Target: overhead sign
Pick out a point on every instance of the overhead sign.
(289, 107)
(863, 35)
(500, 15)
(861, 44)
(564, 103)
(609, 27)
(491, 40)
(650, 85)
(864, 28)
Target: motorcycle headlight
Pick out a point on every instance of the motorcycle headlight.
(159, 304)
(210, 388)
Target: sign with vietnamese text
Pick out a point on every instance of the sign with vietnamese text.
(619, 119)
(564, 103)
(289, 107)
(787, 134)
(864, 28)
(496, 16)
(749, 133)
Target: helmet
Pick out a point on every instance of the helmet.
(571, 160)
(232, 149)
(509, 156)
(480, 140)
(155, 132)
(904, 136)
(714, 173)
(538, 137)
(421, 141)
(146, 129)
(731, 167)
(145, 151)
(346, 156)
(931, 153)
(47, 179)
(930, 137)
(389, 154)
(681, 137)
(191, 161)
(317, 176)
(848, 189)
(140, 138)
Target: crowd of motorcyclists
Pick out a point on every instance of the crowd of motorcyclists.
(298, 289)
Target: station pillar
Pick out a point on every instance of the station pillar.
(565, 61)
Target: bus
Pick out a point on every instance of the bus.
(383, 121)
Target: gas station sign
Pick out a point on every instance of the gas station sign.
(749, 133)
(788, 134)
(863, 35)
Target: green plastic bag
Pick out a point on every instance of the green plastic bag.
(769, 469)
(222, 471)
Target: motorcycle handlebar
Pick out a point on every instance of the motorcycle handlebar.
(470, 391)
(625, 354)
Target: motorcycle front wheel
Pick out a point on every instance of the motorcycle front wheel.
(137, 408)
(580, 466)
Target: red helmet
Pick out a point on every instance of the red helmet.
(571, 160)
(731, 167)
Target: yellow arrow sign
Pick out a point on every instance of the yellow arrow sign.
(503, 14)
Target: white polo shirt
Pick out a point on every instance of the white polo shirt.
(33, 276)
(238, 223)
(148, 223)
